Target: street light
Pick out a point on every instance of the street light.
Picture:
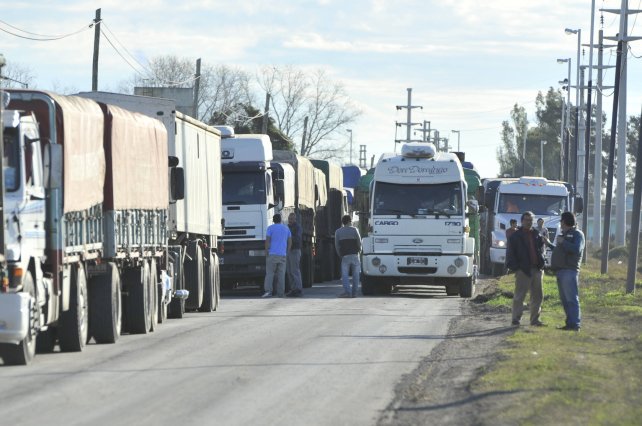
(457, 131)
(350, 131)
(541, 155)
(567, 83)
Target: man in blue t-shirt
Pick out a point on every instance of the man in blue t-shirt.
(277, 245)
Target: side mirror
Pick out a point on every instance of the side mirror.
(53, 166)
(177, 183)
(279, 189)
(579, 205)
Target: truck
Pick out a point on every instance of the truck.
(88, 197)
(504, 199)
(361, 202)
(418, 225)
(254, 189)
(306, 203)
(195, 221)
(329, 220)
(351, 176)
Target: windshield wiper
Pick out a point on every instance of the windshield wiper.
(234, 202)
(398, 212)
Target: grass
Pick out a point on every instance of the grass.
(593, 377)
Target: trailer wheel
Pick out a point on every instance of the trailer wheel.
(46, 340)
(105, 312)
(153, 295)
(208, 285)
(74, 323)
(452, 288)
(466, 287)
(138, 303)
(194, 276)
(23, 353)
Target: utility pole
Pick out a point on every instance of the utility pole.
(562, 140)
(3, 252)
(597, 171)
(94, 73)
(197, 85)
(635, 221)
(620, 222)
(425, 131)
(350, 131)
(587, 142)
(458, 140)
(266, 115)
(408, 122)
(580, 140)
(305, 132)
(524, 145)
(604, 266)
(362, 156)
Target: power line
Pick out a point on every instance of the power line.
(41, 37)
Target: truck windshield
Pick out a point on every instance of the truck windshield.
(244, 188)
(425, 199)
(549, 205)
(11, 161)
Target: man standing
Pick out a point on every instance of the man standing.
(540, 227)
(347, 242)
(277, 244)
(525, 256)
(294, 258)
(565, 261)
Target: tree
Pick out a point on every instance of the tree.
(633, 138)
(223, 91)
(16, 75)
(295, 95)
(279, 140)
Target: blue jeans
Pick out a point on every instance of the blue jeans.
(347, 262)
(294, 269)
(567, 284)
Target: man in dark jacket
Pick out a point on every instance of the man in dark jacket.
(294, 258)
(565, 261)
(525, 257)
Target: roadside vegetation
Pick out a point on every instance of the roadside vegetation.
(591, 377)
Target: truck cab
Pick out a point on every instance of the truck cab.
(418, 229)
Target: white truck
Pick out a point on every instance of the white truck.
(418, 230)
(507, 198)
(254, 189)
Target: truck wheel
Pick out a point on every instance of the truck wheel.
(383, 288)
(153, 295)
(46, 340)
(74, 323)
(208, 285)
(137, 282)
(368, 286)
(105, 312)
(452, 288)
(23, 353)
(497, 269)
(466, 287)
(176, 307)
(194, 276)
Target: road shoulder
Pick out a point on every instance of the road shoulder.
(439, 391)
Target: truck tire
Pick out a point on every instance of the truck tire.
(208, 285)
(368, 286)
(307, 267)
(497, 269)
(137, 282)
(383, 288)
(46, 340)
(194, 276)
(466, 287)
(153, 295)
(105, 312)
(452, 288)
(74, 323)
(24, 352)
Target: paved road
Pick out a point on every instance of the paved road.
(317, 360)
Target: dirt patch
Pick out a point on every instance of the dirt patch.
(439, 390)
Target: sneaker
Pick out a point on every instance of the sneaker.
(538, 323)
(266, 295)
(295, 293)
(344, 295)
(569, 328)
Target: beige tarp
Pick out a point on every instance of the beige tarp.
(84, 157)
(137, 174)
(304, 173)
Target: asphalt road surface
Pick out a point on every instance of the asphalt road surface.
(318, 360)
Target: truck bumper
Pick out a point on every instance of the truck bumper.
(390, 265)
(14, 316)
(498, 255)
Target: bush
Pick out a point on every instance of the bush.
(621, 252)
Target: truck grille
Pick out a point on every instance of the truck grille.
(233, 232)
(416, 270)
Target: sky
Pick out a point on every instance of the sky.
(468, 62)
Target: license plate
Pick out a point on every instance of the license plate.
(418, 261)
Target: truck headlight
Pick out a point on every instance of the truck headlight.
(459, 262)
(376, 261)
(499, 243)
